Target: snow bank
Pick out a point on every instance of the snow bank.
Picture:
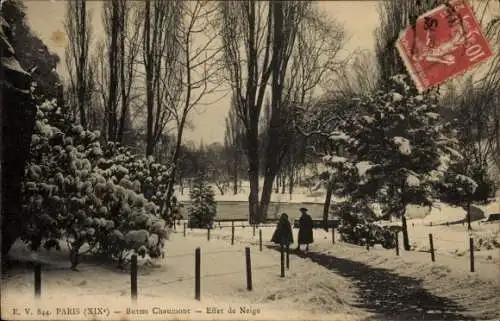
(443, 213)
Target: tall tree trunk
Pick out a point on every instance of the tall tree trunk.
(253, 197)
(253, 172)
(267, 190)
(113, 70)
(82, 63)
(406, 238)
(291, 181)
(235, 177)
(121, 126)
(403, 195)
(175, 159)
(326, 206)
(283, 183)
(468, 215)
(125, 88)
(149, 79)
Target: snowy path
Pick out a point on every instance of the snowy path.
(390, 295)
(405, 287)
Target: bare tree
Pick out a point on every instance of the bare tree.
(101, 79)
(79, 32)
(130, 46)
(113, 20)
(115, 60)
(160, 20)
(315, 59)
(360, 75)
(259, 41)
(233, 143)
(197, 68)
(247, 39)
(280, 131)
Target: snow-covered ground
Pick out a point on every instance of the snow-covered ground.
(333, 282)
(338, 288)
(308, 291)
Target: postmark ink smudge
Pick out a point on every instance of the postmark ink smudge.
(430, 26)
(430, 23)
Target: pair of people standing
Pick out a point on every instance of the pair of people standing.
(283, 233)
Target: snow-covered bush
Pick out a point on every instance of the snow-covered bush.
(138, 173)
(367, 233)
(459, 189)
(203, 208)
(68, 195)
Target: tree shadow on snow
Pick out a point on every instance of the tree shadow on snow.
(389, 295)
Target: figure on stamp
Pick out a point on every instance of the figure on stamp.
(444, 52)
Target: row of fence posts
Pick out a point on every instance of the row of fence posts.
(431, 248)
(433, 252)
(232, 234)
(133, 275)
(133, 267)
(284, 261)
(197, 272)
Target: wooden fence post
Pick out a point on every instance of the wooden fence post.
(397, 243)
(133, 277)
(471, 246)
(288, 256)
(282, 256)
(333, 235)
(232, 232)
(184, 232)
(253, 229)
(260, 240)
(249, 268)
(208, 233)
(197, 273)
(38, 279)
(431, 243)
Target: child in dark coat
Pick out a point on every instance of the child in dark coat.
(305, 229)
(283, 233)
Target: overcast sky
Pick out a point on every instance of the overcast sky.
(359, 19)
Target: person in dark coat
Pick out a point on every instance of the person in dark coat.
(283, 233)
(305, 229)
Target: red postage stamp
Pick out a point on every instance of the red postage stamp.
(444, 42)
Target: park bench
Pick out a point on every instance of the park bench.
(493, 217)
(319, 224)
